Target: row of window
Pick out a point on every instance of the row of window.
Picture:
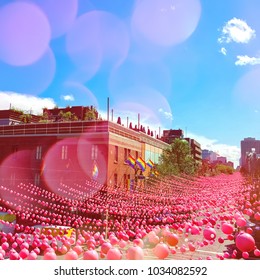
(127, 152)
(64, 152)
(125, 182)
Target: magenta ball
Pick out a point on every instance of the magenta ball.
(227, 228)
(161, 251)
(114, 254)
(24, 253)
(245, 255)
(135, 253)
(209, 233)
(245, 242)
(195, 230)
(241, 222)
(13, 255)
(90, 255)
(221, 240)
(257, 252)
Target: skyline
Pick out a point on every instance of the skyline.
(194, 66)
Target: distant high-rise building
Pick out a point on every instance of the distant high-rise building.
(222, 159)
(171, 134)
(248, 145)
(209, 155)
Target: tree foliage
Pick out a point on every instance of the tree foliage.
(177, 159)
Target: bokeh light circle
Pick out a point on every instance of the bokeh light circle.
(91, 157)
(129, 74)
(75, 94)
(61, 14)
(60, 167)
(97, 38)
(24, 33)
(166, 22)
(148, 98)
(14, 170)
(247, 88)
(43, 71)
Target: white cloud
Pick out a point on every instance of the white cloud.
(231, 152)
(236, 30)
(223, 51)
(68, 97)
(245, 59)
(24, 102)
(167, 115)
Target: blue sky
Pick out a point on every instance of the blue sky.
(190, 64)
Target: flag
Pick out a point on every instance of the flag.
(131, 161)
(150, 163)
(141, 163)
(95, 171)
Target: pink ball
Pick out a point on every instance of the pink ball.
(50, 255)
(195, 230)
(122, 244)
(1, 257)
(172, 239)
(135, 253)
(13, 255)
(257, 252)
(257, 216)
(90, 255)
(241, 222)
(192, 247)
(24, 253)
(5, 246)
(105, 247)
(245, 255)
(114, 254)
(209, 233)
(138, 242)
(78, 249)
(245, 242)
(221, 240)
(32, 256)
(113, 240)
(227, 228)
(161, 251)
(71, 255)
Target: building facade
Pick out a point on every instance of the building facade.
(55, 153)
(248, 145)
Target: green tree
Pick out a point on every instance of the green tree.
(177, 159)
(91, 115)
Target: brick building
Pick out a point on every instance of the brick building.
(53, 153)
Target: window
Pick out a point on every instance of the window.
(136, 155)
(115, 179)
(125, 180)
(64, 152)
(94, 152)
(39, 152)
(125, 154)
(116, 153)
